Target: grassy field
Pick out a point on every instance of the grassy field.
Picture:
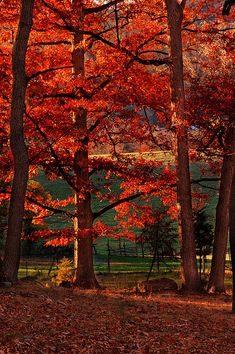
(123, 272)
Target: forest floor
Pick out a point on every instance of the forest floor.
(35, 319)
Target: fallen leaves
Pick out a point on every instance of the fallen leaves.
(41, 320)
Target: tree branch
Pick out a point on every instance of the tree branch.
(115, 204)
(54, 154)
(100, 8)
(137, 195)
(51, 43)
(47, 71)
(134, 57)
(205, 179)
(50, 208)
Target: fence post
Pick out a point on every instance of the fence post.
(120, 246)
(109, 254)
(124, 248)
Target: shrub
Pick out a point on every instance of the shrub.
(65, 272)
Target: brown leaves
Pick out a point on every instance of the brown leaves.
(40, 320)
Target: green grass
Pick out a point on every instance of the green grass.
(125, 272)
(128, 264)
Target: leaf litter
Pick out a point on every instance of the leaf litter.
(39, 320)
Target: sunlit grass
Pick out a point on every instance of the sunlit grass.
(159, 155)
(124, 272)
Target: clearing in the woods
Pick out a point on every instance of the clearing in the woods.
(35, 319)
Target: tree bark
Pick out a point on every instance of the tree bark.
(83, 246)
(232, 235)
(2, 273)
(17, 142)
(216, 281)
(190, 278)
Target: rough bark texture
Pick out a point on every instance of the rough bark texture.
(216, 281)
(232, 235)
(83, 248)
(18, 147)
(190, 278)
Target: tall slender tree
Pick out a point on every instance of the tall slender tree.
(232, 235)
(216, 281)
(190, 276)
(17, 142)
(83, 257)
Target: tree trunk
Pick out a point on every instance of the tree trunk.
(216, 281)
(83, 249)
(200, 264)
(2, 273)
(232, 235)
(204, 265)
(155, 253)
(142, 248)
(18, 147)
(190, 278)
(120, 246)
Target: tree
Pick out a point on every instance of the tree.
(232, 236)
(18, 147)
(190, 276)
(222, 211)
(72, 114)
(213, 101)
(204, 237)
(83, 93)
(162, 238)
(83, 249)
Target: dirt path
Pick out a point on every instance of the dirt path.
(34, 319)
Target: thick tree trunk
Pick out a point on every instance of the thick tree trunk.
(18, 147)
(83, 245)
(83, 250)
(232, 235)
(216, 281)
(2, 273)
(191, 281)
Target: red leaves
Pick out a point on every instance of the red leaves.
(54, 237)
(127, 102)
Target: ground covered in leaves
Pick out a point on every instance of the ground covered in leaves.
(34, 319)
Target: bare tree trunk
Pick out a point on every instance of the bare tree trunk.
(216, 281)
(200, 264)
(83, 248)
(142, 248)
(18, 147)
(232, 235)
(190, 278)
(155, 253)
